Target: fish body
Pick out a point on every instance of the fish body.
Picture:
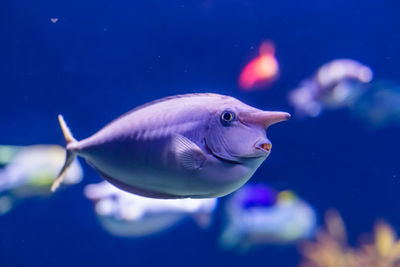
(195, 145)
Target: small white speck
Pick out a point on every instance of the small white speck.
(54, 20)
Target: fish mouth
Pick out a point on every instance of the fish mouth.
(264, 147)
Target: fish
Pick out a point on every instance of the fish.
(186, 146)
(128, 215)
(261, 71)
(336, 84)
(257, 215)
(29, 171)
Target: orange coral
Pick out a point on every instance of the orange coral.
(330, 249)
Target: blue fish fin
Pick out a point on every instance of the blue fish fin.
(188, 153)
(70, 155)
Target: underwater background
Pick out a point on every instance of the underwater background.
(99, 59)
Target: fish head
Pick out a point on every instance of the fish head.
(237, 132)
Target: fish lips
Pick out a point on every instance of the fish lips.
(263, 147)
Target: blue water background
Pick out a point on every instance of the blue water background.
(103, 58)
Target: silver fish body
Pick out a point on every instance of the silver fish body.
(197, 146)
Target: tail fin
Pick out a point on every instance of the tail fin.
(70, 155)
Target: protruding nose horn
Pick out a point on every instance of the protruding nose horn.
(264, 118)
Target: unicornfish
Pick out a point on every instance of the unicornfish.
(184, 146)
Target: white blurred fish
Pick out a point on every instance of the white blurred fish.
(129, 215)
(335, 84)
(30, 170)
(195, 145)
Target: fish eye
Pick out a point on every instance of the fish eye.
(227, 116)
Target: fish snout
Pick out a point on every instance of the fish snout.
(263, 118)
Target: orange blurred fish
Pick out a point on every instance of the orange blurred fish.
(261, 71)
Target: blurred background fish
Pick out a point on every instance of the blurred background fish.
(335, 84)
(262, 71)
(28, 171)
(258, 215)
(124, 214)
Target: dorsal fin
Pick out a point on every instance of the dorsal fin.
(164, 99)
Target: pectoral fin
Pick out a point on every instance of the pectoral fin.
(188, 154)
